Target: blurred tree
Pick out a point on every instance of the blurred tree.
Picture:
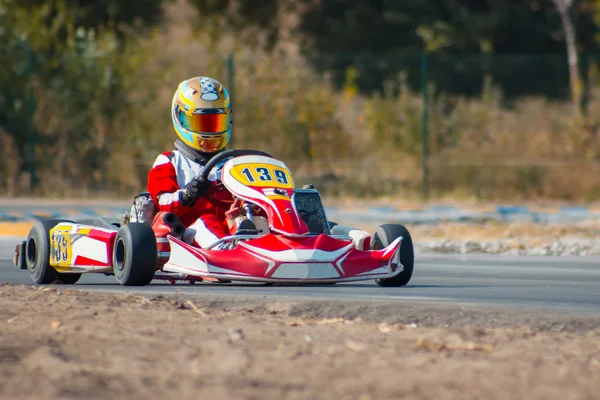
(565, 10)
(467, 39)
(73, 43)
(115, 14)
(245, 15)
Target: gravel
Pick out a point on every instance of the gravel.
(514, 247)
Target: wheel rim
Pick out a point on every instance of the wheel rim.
(120, 255)
(31, 251)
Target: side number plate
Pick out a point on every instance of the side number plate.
(60, 246)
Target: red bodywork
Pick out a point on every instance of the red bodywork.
(279, 258)
(287, 254)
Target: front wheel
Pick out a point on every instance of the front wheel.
(135, 255)
(381, 238)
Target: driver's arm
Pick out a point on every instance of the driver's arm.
(164, 189)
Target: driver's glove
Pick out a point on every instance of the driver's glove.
(197, 188)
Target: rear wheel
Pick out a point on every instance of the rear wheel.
(37, 255)
(381, 238)
(135, 255)
(37, 252)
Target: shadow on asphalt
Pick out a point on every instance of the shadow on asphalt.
(277, 285)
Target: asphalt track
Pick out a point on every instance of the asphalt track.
(28, 209)
(558, 284)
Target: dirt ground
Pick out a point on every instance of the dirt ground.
(68, 344)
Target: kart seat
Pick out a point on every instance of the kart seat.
(143, 209)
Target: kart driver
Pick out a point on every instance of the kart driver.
(202, 118)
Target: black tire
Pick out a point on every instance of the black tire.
(67, 279)
(381, 238)
(135, 255)
(37, 255)
(37, 252)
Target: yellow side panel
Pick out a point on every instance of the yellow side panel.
(60, 248)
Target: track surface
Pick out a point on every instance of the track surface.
(567, 284)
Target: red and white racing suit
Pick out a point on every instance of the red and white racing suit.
(171, 172)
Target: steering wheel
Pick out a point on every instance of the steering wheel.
(213, 162)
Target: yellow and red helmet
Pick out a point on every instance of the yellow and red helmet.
(201, 112)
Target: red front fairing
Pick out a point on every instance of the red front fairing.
(267, 183)
(286, 259)
(283, 215)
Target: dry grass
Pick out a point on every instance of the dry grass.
(348, 144)
(495, 231)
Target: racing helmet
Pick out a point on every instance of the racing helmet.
(201, 112)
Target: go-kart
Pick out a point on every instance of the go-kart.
(296, 245)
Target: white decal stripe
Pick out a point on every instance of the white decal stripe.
(306, 271)
(166, 199)
(258, 160)
(180, 257)
(161, 160)
(298, 218)
(381, 271)
(186, 262)
(392, 246)
(203, 236)
(89, 248)
(268, 261)
(339, 263)
(299, 255)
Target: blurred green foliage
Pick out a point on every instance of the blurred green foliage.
(77, 50)
(337, 34)
(105, 72)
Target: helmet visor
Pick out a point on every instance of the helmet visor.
(210, 144)
(214, 122)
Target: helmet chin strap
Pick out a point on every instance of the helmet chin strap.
(194, 155)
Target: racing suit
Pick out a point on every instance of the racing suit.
(169, 175)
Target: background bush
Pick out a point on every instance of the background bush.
(102, 92)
